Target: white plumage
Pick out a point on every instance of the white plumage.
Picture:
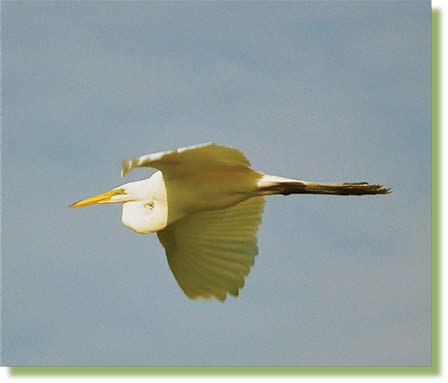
(205, 203)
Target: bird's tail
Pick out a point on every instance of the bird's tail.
(278, 185)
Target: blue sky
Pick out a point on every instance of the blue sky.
(315, 91)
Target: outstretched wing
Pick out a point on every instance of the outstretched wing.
(184, 160)
(210, 253)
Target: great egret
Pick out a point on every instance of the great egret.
(205, 203)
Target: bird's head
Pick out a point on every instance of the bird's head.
(144, 203)
(139, 191)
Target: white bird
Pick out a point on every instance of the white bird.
(205, 203)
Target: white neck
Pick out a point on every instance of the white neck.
(147, 210)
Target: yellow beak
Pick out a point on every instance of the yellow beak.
(100, 198)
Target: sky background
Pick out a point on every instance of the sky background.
(315, 91)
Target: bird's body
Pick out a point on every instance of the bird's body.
(205, 203)
(189, 194)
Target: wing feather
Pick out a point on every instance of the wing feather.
(210, 253)
(187, 159)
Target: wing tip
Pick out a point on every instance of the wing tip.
(221, 296)
(126, 167)
(207, 296)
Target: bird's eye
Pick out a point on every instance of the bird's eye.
(149, 206)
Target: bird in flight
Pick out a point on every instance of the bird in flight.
(205, 204)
